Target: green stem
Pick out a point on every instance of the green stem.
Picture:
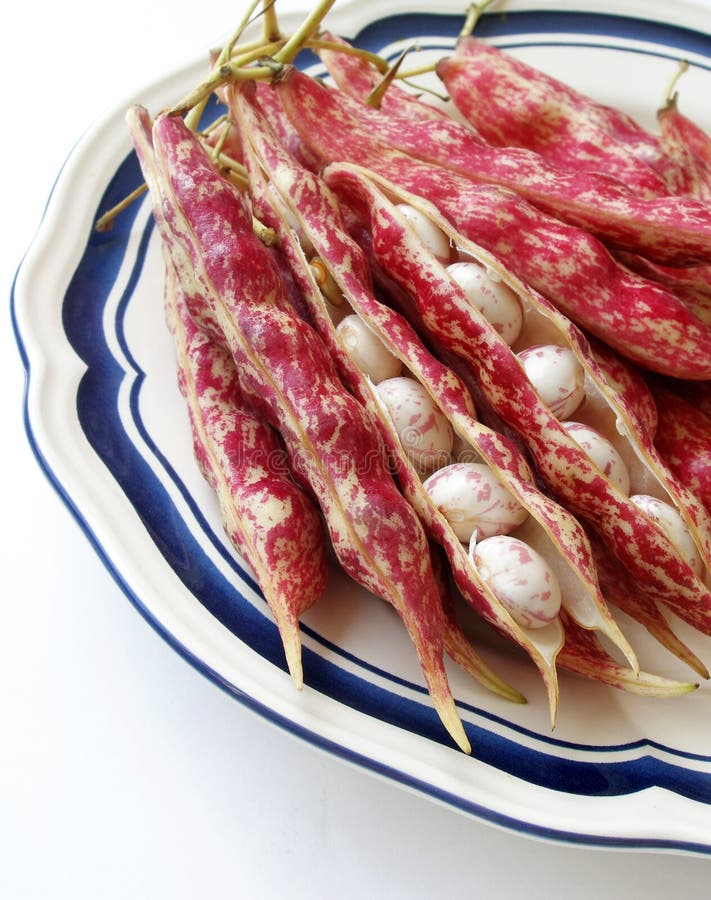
(228, 49)
(195, 111)
(474, 13)
(226, 74)
(671, 90)
(227, 162)
(107, 220)
(375, 97)
(413, 73)
(271, 25)
(290, 50)
(380, 64)
(216, 152)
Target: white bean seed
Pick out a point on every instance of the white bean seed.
(520, 578)
(430, 234)
(367, 350)
(472, 499)
(424, 431)
(557, 376)
(495, 300)
(672, 524)
(601, 452)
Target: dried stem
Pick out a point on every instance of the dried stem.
(375, 97)
(670, 97)
(105, 222)
(474, 13)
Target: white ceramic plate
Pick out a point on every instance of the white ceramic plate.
(107, 423)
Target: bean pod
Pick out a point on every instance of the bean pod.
(316, 211)
(286, 373)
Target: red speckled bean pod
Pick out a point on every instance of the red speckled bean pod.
(513, 104)
(266, 515)
(567, 265)
(286, 373)
(621, 591)
(320, 220)
(683, 438)
(663, 229)
(680, 131)
(692, 285)
(451, 319)
(456, 644)
(583, 655)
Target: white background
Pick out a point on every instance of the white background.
(123, 772)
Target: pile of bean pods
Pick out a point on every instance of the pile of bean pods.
(447, 347)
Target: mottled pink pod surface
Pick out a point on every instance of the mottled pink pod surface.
(691, 141)
(664, 228)
(691, 284)
(583, 654)
(266, 515)
(628, 388)
(640, 318)
(321, 218)
(624, 593)
(513, 104)
(288, 376)
(683, 438)
(643, 548)
(456, 644)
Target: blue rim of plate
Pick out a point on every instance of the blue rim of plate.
(96, 403)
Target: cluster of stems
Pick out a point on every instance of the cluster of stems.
(266, 58)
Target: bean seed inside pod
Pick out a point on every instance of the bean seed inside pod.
(495, 300)
(367, 350)
(471, 498)
(557, 376)
(430, 234)
(601, 452)
(337, 305)
(520, 578)
(424, 431)
(672, 524)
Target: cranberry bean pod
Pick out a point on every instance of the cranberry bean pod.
(681, 132)
(692, 285)
(639, 318)
(324, 229)
(660, 228)
(266, 515)
(618, 403)
(511, 103)
(622, 592)
(456, 644)
(683, 438)
(321, 223)
(694, 137)
(287, 374)
(566, 468)
(584, 655)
